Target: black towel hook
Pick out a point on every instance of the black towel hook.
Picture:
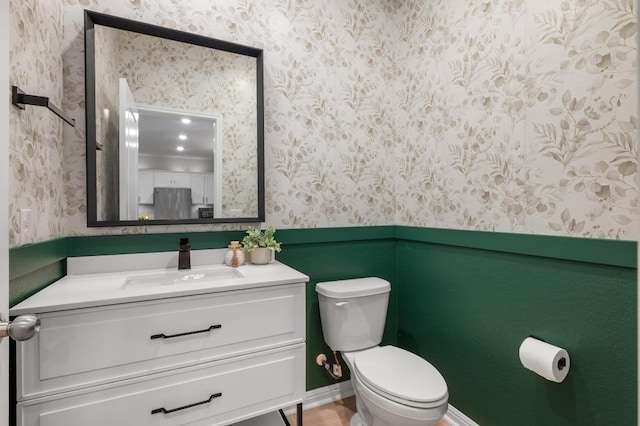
(20, 99)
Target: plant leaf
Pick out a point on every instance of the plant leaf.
(628, 30)
(621, 219)
(623, 84)
(602, 36)
(627, 168)
(555, 226)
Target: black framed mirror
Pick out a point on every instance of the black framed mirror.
(175, 126)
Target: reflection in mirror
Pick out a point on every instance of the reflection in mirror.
(174, 169)
(177, 127)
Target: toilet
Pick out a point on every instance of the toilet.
(393, 387)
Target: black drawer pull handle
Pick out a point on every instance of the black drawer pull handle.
(164, 336)
(195, 404)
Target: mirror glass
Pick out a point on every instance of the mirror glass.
(174, 126)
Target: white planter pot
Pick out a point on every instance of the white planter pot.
(261, 256)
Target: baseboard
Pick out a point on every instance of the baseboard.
(456, 417)
(320, 396)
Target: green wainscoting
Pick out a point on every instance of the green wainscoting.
(33, 267)
(147, 243)
(590, 250)
(464, 300)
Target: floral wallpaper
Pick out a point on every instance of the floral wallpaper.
(497, 115)
(519, 116)
(328, 132)
(36, 140)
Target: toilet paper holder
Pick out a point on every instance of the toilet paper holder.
(558, 361)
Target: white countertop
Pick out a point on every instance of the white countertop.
(81, 289)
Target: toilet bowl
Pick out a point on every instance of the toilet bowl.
(393, 387)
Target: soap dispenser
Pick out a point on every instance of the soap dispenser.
(184, 254)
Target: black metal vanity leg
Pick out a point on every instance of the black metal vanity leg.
(285, 421)
(299, 414)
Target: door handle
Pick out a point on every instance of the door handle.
(22, 328)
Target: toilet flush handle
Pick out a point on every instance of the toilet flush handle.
(343, 305)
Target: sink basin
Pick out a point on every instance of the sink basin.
(183, 277)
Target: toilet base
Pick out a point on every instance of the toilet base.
(356, 420)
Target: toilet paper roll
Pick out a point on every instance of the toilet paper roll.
(551, 362)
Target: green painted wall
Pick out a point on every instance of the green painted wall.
(467, 311)
(464, 300)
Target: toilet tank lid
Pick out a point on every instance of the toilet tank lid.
(353, 288)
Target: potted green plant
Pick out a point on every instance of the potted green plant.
(261, 244)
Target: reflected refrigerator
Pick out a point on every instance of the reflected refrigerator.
(172, 203)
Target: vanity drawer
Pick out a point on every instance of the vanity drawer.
(216, 393)
(86, 347)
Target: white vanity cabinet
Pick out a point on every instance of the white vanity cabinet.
(216, 393)
(191, 357)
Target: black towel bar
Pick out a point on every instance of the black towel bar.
(20, 99)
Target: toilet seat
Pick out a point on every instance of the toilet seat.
(401, 376)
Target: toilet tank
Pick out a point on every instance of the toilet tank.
(353, 312)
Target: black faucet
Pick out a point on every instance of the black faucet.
(184, 256)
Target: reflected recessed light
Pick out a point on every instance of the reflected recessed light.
(180, 148)
(182, 137)
(186, 120)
